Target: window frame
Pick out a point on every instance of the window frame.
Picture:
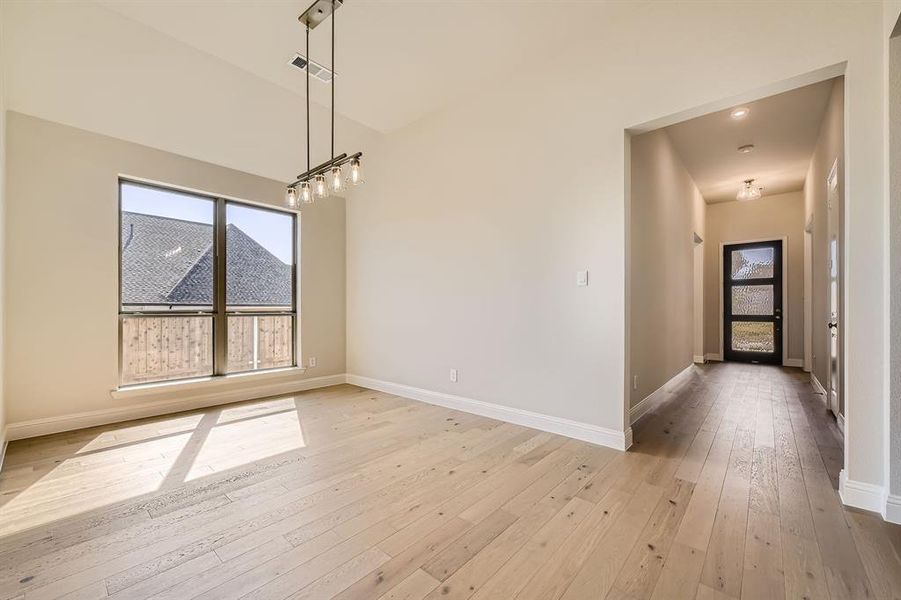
(219, 310)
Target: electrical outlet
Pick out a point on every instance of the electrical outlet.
(635, 382)
(311, 362)
(453, 375)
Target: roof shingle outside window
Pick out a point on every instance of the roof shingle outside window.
(169, 261)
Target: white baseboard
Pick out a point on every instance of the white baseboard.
(713, 356)
(698, 358)
(868, 496)
(657, 396)
(602, 436)
(892, 512)
(4, 442)
(793, 362)
(840, 421)
(817, 385)
(859, 494)
(37, 427)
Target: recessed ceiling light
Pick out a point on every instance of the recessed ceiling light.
(740, 112)
(746, 148)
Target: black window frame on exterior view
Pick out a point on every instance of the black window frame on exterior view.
(217, 311)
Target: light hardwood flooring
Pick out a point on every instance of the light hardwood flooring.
(728, 492)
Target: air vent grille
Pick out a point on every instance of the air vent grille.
(316, 70)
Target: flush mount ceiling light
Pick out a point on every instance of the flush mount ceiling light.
(317, 182)
(747, 148)
(740, 113)
(748, 191)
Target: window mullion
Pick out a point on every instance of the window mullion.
(220, 331)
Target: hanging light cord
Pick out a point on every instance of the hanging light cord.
(308, 97)
(333, 79)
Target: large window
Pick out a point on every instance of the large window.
(207, 286)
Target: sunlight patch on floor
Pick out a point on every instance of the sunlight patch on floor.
(241, 442)
(121, 464)
(103, 477)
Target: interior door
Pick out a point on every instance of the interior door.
(752, 302)
(833, 365)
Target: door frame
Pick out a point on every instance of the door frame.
(835, 405)
(785, 311)
(698, 298)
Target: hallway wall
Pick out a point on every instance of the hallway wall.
(771, 217)
(2, 241)
(893, 125)
(667, 209)
(830, 146)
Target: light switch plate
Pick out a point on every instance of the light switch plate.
(581, 278)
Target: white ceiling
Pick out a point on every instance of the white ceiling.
(397, 61)
(783, 128)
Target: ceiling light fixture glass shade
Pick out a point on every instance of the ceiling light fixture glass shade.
(320, 186)
(306, 192)
(749, 191)
(336, 180)
(355, 176)
(316, 181)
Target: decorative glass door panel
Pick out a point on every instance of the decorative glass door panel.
(752, 302)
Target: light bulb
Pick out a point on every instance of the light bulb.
(320, 186)
(306, 193)
(291, 197)
(336, 182)
(355, 177)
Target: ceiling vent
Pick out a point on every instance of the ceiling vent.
(316, 70)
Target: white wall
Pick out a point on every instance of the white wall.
(62, 231)
(462, 251)
(771, 217)
(667, 210)
(829, 148)
(2, 236)
(892, 38)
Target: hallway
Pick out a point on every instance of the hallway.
(763, 455)
(728, 492)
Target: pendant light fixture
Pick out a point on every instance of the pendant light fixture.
(748, 191)
(317, 182)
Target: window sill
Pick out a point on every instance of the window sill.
(203, 384)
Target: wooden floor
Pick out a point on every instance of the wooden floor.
(728, 492)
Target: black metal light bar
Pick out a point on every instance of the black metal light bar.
(319, 168)
(338, 161)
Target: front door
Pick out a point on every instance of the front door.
(752, 302)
